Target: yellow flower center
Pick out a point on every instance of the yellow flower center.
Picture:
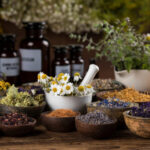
(81, 88)
(68, 87)
(53, 82)
(54, 90)
(44, 76)
(62, 84)
(50, 79)
(59, 78)
(65, 78)
(89, 86)
(77, 74)
(61, 74)
(148, 38)
(39, 77)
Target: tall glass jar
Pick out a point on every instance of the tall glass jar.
(61, 62)
(34, 51)
(77, 62)
(9, 59)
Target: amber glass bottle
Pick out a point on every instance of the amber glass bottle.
(34, 51)
(77, 62)
(9, 59)
(61, 62)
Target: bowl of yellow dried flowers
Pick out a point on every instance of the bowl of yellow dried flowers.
(62, 93)
(30, 102)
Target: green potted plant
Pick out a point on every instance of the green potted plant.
(125, 49)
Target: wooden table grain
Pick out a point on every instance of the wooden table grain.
(42, 139)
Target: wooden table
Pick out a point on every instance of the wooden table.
(42, 139)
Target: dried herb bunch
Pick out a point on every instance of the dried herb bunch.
(120, 43)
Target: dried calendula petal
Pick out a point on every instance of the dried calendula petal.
(128, 95)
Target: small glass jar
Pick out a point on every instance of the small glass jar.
(76, 60)
(9, 59)
(34, 51)
(61, 62)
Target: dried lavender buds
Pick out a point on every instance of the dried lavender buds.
(111, 103)
(95, 118)
(142, 111)
(16, 119)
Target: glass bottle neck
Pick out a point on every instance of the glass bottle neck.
(76, 55)
(34, 33)
(8, 46)
(60, 56)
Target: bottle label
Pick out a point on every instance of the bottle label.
(78, 68)
(31, 60)
(9, 66)
(62, 69)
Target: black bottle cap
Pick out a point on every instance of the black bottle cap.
(34, 25)
(76, 48)
(8, 40)
(60, 49)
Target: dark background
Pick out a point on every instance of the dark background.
(106, 69)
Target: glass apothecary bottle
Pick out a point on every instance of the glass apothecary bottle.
(76, 60)
(34, 51)
(9, 59)
(61, 62)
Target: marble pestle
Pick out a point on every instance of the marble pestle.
(91, 73)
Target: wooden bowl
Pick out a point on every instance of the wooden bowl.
(20, 130)
(137, 125)
(32, 111)
(58, 124)
(96, 131)
(112, 112)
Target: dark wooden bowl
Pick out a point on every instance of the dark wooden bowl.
(32, 111)
(19, 130)
(137, 125)
(96, 131)
(112, 112)
(58, 124)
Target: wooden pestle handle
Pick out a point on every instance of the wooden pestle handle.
(93, 69)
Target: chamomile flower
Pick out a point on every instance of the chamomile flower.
(55, 90)
(148, 37)
(81, 90)
(53, 83)
(42, 78)
(89, 89)
(65, 78)
(77, 77)
(68, 88)
(61, 74)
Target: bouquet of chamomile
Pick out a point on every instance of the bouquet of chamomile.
(61, 85)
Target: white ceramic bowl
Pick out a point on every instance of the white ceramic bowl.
(138, 79)
(76, 103)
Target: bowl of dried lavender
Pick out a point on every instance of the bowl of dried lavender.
(112, 107)
(138, 120)
(96, 124)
